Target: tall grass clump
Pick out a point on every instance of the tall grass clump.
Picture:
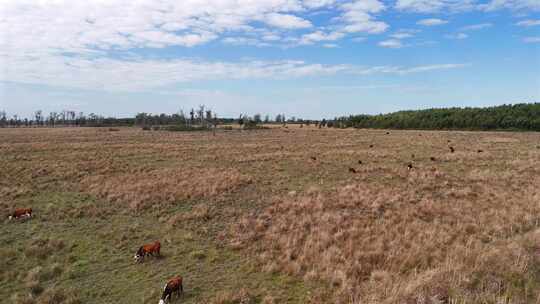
(421, 241)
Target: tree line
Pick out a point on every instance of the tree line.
(201, 117)
(506, 117)
(61, 118)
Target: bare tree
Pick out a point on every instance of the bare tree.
(39, 117)
(53, 116)
(3, 118)
(191, 116)
(200, 114)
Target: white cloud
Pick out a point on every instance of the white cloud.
(431, 22)
(391, 43)
(430, 6)
(286, 21)
(405, 71)
(359, 39)
(330, 45)
(531, 39)
(271, 37)
(139, 74)
(401, 35)
(528, 22)
(143, 74)
(433, 67)
(69, 43)
(511, 4)
(476, 27)
(358, 16)
(80, 27)
(404, 33)
(320, 36)
(458, 36)
(244, 41)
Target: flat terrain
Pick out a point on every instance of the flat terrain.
(286, 215)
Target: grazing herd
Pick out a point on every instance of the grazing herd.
(175, 285)
(409, 165)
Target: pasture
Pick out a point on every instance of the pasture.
(271, 216)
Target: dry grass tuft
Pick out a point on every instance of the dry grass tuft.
(141, 190)
(424, 241)
(241, 296)
(43, 248)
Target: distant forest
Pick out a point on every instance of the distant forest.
(505, 117)
(524, 117)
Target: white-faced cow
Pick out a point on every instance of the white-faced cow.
(148, 249)
(173, 286)
(21, 213)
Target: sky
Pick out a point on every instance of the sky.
(304, 58)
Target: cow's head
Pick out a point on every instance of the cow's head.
(139, 255)
(161, 301)
(10, 217)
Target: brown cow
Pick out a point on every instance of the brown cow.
(21, 212)
(352, 170)
(174, 285)
(148, 249)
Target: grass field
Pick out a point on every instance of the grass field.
(271, 216)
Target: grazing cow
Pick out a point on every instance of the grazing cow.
(371, 146)
(480, 151)
(148, 249)
(21, 213)
(359, 162)
(174, 285)
(313, 158)
(452, 150)
(433, 158)
(409, 166)
(352, 170)
(387, 133)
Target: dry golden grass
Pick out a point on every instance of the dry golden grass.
(140, 190)
(396, 244)
(241, 296)
(461, 228)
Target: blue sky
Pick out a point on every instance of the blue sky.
(304, 58)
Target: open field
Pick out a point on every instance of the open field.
(271, 216)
